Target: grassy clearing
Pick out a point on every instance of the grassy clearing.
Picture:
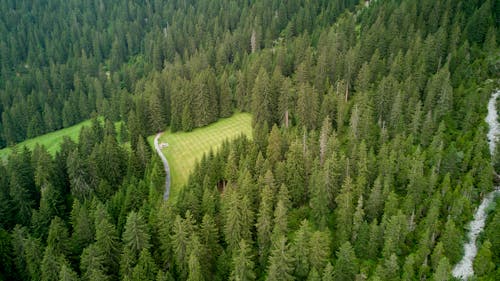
(184, 149)
(51, 140)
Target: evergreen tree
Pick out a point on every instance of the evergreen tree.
(108, 243)
(442, 272)
(242, 265)
(225, 97)
(344, 211)
(181, 231)
(58, 237)
(264, 224)
(50, 266)
(319, 254)
(187, 119)
(451, 240)
(307, 107)
(346, 266)
(83, 228)
(301, 250)
(280, 220)
(195, 271)
(319, 202)
(135, 235)
(483, 263)
(92, 264)
(146, 268)
(280, 261)
(67, 273)
(261, 99)
(209, 236)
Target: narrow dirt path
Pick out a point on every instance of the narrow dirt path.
(166, 194)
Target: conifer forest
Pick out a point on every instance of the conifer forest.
(369, 157)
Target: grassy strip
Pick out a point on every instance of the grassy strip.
(185, 148)
(51, 141)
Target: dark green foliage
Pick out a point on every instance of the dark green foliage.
(7, 267)
(280, 261)
(346, 266)
(367, 161)
(483, 263)
(242, 266)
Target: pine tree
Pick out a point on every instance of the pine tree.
(83, 228)
(274, 147)
(209, 237)
(108, 243)
(326, 130)
(146, 268)
(50, 266)
(233, 227)
(451, 239)
(409, 269)
(390, 269)
(22, 188)
(307, 107)
(358, 219)
(280, 262)
(301, 250)
(319, 253)
(442, 272)
(264, 224)
(394, 234)
(375, 201)
(319, 202)
(285, 102)
(242, 264)
(205, 98)
(346, 266)
(67, 274)
(313, 275)
(483, 263)
(344, 211)
(261, 99)
(195, 271)
(280, 221)
(225, 97)
(58, 237)
(375, 239)
(92, 264)
(296, 174)
(328, 273)
(187, 119)
(181, 232)
(135, 234)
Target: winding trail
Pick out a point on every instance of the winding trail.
(464, 269)
(166, 194)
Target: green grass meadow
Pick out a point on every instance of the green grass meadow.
(185, 148)
(51, 141)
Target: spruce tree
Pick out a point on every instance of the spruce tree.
(242, 264)
(346, 266)
(280, 262)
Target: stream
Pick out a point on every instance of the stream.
(464, 269)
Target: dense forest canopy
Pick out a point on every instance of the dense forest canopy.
(368, 159)
(62, 61)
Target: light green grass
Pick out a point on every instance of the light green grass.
(184, 149)
(51, 141)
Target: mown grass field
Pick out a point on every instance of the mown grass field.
(51, 140)
(184, 149)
